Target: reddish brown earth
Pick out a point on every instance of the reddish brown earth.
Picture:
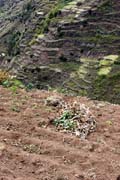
(30, 150)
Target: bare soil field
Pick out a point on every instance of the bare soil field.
(33, 149)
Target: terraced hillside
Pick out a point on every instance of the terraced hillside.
(72, 46)
(31, 148)
(18, 20)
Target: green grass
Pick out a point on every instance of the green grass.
(1, 12)
(106, 6)
(101, 38)
(107, 82)
(106, 64)
(13, 84)
(66, 66)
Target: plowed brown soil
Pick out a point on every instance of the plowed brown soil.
(32, 149)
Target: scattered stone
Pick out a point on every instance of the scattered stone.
(2, 148)
(81, 177)
(40, 13)
(53, 101)
(118, 178)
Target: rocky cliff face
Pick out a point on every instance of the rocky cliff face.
(72, 46)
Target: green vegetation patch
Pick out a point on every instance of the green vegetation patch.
(105, 65)
(106, 6)
(66, 66)
(107, 83)
(13, 43)
(13, 84)
(104, 71)
(65, 121)
(1, 12)
(101, 38)
(52, 14)
(27, 10)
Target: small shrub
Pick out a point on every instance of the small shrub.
(27, 10)
(65, 121)
(13, 43)
(63, 58)
(29, 86)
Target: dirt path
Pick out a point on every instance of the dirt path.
(29, 150)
